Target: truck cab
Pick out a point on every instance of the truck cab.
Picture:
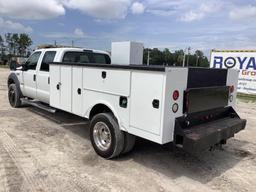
(33, 76)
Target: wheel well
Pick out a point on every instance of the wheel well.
(99, 108)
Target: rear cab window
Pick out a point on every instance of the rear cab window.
(86, 57)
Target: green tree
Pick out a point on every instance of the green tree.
(1, 49)
(1, 45)
(24, 43)
(168, 57)
(178, 57)
(199, 53)
(157, 57)
(9, 43)
(15, 41)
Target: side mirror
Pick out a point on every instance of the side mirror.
(13, 65)
(24, 67)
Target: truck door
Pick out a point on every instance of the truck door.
(77, 93)
(43, 77)
(29, 75)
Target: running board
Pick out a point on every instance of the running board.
(38, 104)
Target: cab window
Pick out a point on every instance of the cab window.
(31, 63)
(47, 59)
(77, 57)
(101, 58)
(86, 57)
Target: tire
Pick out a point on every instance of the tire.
(106, 137)
(14, 96)
(129, 142)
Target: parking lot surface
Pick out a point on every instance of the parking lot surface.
(40, 151)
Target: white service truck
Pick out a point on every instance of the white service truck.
(191, 107)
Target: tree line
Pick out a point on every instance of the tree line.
(14, 45)
(17, 45)
(176, 58)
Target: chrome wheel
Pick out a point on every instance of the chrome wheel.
(102, 136)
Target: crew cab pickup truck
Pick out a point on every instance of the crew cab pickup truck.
(194, 108)
(33, 78)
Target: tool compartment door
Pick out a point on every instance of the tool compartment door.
(54, 90)
(146, 101)
(116, 82)
(65, 88)
(77, 92)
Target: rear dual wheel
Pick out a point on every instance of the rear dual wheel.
(106, 137)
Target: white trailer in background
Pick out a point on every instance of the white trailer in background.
(191, 107)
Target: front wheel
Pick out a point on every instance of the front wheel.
(14, 96)
(106, 137)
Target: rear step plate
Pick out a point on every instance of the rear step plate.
(202, 137)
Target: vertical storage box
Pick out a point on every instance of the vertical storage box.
(127, 53)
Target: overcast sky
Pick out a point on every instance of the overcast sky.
(174, 24)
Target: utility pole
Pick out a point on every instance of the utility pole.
(184, 58)
(55, 43)
(72, 43)
(197, 59)
(188, 56)
(148, 58)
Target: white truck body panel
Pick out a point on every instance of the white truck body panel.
(232, 80)
(140, 87)
(175, 80)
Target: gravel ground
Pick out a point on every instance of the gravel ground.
(44, 152)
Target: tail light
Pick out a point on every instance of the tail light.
(175, 107)
(175, 95)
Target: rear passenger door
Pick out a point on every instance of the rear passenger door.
(43, 77)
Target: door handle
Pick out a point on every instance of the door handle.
(156, 103)
(34, 77)
(58, 86)
(79, 91)
(103, 74)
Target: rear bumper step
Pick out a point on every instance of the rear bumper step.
(204, 136)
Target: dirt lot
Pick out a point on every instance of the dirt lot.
(44, 152)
